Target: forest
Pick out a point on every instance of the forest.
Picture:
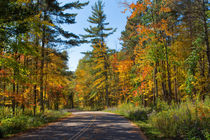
(162, 70)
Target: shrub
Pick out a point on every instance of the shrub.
(138, 115)
(14, 125)
(183, 120)
(131, 111)
(5, 112)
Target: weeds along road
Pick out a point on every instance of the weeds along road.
(86, 126)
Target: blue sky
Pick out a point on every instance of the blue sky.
(113, 10)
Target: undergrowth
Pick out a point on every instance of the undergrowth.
(10, 124)
(188, 120)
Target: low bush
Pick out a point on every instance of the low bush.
(186, 120)
(131, 111)
(14, 125)
(11, 125)
(139, 115)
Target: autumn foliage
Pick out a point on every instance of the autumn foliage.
(163, 56)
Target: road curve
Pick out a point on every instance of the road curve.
(86, 126)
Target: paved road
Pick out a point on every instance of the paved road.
(86, 126)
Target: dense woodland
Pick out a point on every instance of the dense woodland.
(165, 56)
(33, 60)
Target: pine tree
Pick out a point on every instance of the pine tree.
(53, 34)
(99, 31)
(96, 35)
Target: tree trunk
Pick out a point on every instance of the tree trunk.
(57, 101)
(163, 82)
(106, 67)
(168, 76)
(71, 99)
(46, 82)
(14, 85)
(175, 85)
(13, 95)
(42, 66)
(35, 86)
(206, 35)
(155, 93)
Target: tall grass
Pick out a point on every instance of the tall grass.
(188, 120)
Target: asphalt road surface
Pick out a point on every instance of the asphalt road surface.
(86, 126)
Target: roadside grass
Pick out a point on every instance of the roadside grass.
(188, 120)
(10, 125)
(149, 131)
(139, 116)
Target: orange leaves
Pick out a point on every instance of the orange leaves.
(145, 30)
(132, 6)
(138, 8)
(122, 69)
(124, 66)
(146, 71)
(164, 27)
(2, 72)
(203, 112)
(114, 62)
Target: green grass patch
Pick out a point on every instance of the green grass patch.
(10, 125)
(149, 131)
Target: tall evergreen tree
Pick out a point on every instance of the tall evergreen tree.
(53, 34)
(99, 31)
(96, 35)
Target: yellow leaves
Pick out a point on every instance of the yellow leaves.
(81, 98)
(4, 94)
(23, 1)
(164, 10)
(8, 102)
(99, 73)
(27, 91)
(98, 83)
(81, 73)
(150, 84)
(124, 66)
(99, 66)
